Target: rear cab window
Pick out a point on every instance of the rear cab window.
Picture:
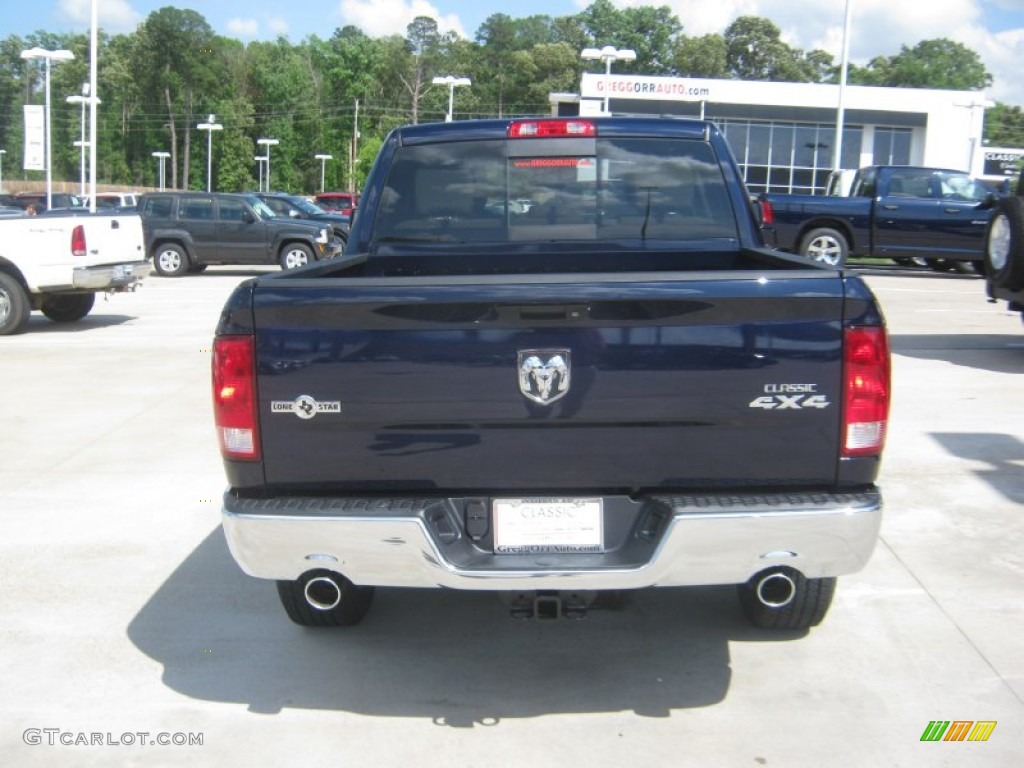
(635, 193)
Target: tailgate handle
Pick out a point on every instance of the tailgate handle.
(553, 312)
(115, 224)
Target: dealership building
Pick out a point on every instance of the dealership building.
(784, 134)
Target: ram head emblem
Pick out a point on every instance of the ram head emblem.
(544, 374)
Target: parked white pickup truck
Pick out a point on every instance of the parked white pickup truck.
(57, 264)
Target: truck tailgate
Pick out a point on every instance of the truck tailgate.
(653, 381)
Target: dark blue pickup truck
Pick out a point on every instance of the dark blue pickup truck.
(556, 360)
(898, 212)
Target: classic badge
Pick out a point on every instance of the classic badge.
(544, 374)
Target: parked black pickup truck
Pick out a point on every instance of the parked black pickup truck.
(188, 231)
(899, 212)
(556, 359)
(1004, 252)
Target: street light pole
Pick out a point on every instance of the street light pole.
(209, 126)
(452, 82)
(268, 143)
(260, 160)
(47, 57)
(161, 159)
(2, 153)
(323, 164)
(82, 143)
(608, 54)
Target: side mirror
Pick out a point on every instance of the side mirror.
(990, 201)
(248, 216)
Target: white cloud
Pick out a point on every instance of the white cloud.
(277, 25)
(1002, 54)
(113, 15)
(391, 17)
(244, 29)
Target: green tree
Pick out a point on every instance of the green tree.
(706, 56)
(351, 68)
(1004, 126)
(938, 63)
(282, 90)
(422, 43)
(650, 31)
(11, 124)
(554, 71)
(178, 61)
(821, 66)
(756, 51)
(498, 45)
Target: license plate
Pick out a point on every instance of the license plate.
(535, 526)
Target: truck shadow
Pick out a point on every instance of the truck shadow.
(1004, 455)
(39, 324)
(988, 352)
(454, 658)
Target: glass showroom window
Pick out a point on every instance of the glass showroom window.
(789, 157)
(892, 146)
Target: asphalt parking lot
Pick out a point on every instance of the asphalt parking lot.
(123, 613)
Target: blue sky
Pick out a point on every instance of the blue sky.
(992, 28)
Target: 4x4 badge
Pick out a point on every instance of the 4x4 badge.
(544, 374)
(305, 407)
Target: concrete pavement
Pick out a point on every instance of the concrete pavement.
(124, 613)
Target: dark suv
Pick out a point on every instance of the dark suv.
(186, 231)
(300, 208)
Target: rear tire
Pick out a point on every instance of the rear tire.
(68, 307)
(353, 605)
(810, 603)
(1004, 245)
(14, 306)
(826, 246)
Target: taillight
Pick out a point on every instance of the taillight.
(544, 129)
(866, 383)
(234, 397)
(78, 241)
(767, 213)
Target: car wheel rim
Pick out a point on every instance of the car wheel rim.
(825, 250)
(5, 307)
(295, 259)
(170, 261)
(999, 243)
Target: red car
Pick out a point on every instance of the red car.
(343, 202)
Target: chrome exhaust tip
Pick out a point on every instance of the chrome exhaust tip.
(775, 589)
(322, 593)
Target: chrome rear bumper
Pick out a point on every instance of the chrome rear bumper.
(110, 277)
(666, 540)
